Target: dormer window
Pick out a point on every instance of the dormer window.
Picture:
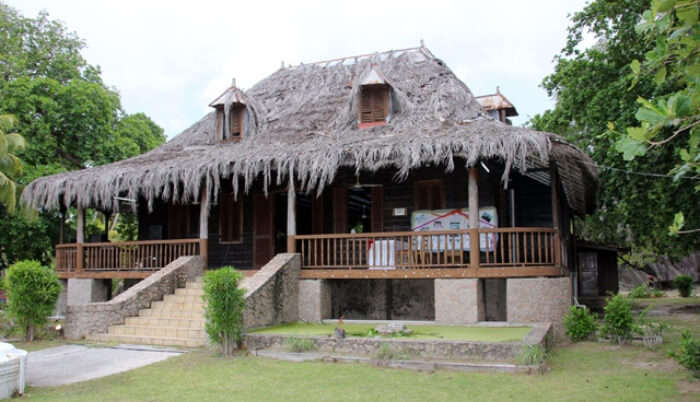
(375, 104)
(235, 129)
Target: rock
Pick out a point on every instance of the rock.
(392, 328)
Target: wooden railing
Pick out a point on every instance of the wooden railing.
(141, 256)
(501, 247)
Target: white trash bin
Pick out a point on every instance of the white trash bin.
(13, 365)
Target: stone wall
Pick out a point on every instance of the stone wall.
(382, 299)
(272, 294)
(314, 300)
(84, 291)
(539, 300)
(458, 301)
(412, 348)
(85, 319)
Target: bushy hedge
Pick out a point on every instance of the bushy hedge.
(32, 291)
(580, 323)
(224, 308)
(689, 354)
(684, 284)
(640, 292)
(618, 321)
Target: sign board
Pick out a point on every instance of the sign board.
(455, 219)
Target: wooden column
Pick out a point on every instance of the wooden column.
(556, 213)
(291, 217)
(473, 188)
(204, 225)
(107, 216)
(79, 240)
(62, 227)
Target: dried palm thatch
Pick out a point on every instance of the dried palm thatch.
(305, 124)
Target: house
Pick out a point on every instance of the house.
(403, 196)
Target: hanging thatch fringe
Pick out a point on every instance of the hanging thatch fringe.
(304, 124)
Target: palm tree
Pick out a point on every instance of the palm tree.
(10, 165)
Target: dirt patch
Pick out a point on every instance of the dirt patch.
(652, 363)
(691, 387)
(686, 309)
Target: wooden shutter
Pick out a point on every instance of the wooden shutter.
(178, 221)
(230, 219)
(317, 215)
(264, 241)
(237, 115)
(377, 212)
(340, 210)
(374, 103)
(429, 194)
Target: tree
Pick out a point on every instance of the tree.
(224, 308)
(32, 291)
(10, 164)
(593, 87)
(68, 116)
(674, 114)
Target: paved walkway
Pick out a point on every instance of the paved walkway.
(73, 363)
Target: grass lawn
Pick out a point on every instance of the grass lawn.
(665, 301)
(581, 372)
(483, 334)
(38, 345)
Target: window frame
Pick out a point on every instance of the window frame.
(385, 91)
(431, 182)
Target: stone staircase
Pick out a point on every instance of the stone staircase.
(177, 320)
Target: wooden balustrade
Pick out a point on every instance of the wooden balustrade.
(139, 256)
(499, 247)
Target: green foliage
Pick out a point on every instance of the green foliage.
(224, 308)
(671, 117)
(580, 323)
(10, 164)
(640, 292)
(69, 118)
(386, 352)
(657, 293)
(618, 321)
(592, 91)
(689, 353)
(684, 284)
(532, 355)
(32, 291)
(300, 345)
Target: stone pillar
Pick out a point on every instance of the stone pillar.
(314, 300)
(84, 291)
(204, 225)
(474, 252)
(291, 217)
(62, 301)
(539, 300)
(458, 301)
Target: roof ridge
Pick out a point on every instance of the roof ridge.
(341, 60)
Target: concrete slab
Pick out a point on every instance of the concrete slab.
(68, 364)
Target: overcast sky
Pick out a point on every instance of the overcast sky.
(169, 59)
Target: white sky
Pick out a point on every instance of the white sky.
(169, 59)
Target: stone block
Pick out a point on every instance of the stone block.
(539, 300)
(458, 301)
(84, 291)
(314, 300)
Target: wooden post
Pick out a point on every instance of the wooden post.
(79, 240)
(473, 188)
(204, 225)
(62, 227)
(291, 217)
(556, 213)
(107, 216)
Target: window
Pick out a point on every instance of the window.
(180, 221)
(237, 118)
(230, 219)
(429, 194)
(374, 105)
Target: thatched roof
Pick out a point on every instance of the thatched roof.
(305, 124)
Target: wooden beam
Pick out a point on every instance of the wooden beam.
(291, 216)
(105, 275)
(80, 239)
(435, 273)
(473, 190)
(204, 224)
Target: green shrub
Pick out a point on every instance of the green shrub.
(32, 291)
(580, 323)
(386, 352)
(658, 293)
(684, 284)
(618, 322)
(224, 308)
(640, 292)
(300, 345)
(532, 355)
(689, 354)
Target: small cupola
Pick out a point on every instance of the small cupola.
(374, 106)
(498, 106)
(231, 115)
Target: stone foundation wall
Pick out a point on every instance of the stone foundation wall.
(314, 300)
(382, 299)
(91, 318)
(458, 301)
(272, 294)
(84, 291)
(539, 300)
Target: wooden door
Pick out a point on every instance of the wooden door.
(264, 238)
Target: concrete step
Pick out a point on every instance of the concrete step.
(180, 315)
(149, 340)
(161, 332)
(180, 298)
(151, 321)
(176, 307)
(189, 292)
